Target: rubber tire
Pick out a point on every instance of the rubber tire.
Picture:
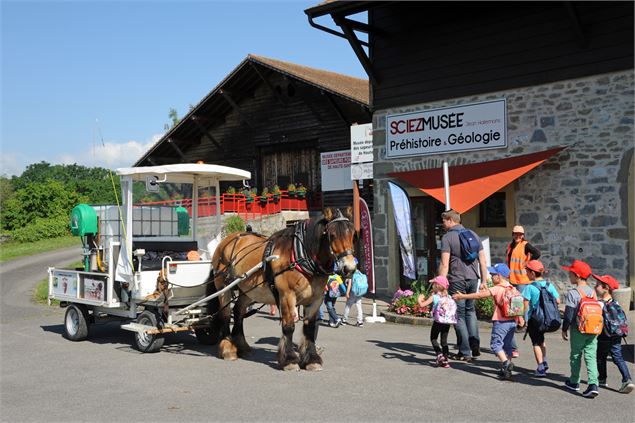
(76, 322)
(144, 342)
(206, 337)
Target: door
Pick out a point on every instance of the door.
(427, 227)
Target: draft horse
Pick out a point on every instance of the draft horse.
(308, 252)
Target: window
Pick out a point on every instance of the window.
(493, 211)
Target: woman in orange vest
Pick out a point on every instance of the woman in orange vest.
(519, 252)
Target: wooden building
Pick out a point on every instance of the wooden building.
(563, 74)
(272, 118)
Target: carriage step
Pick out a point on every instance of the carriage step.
(136, 327)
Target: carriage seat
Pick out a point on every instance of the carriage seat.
(156, 250)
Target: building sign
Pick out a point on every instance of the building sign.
(362, 143)
(336, 170)
(476, 126)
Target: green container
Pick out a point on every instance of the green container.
(184, 220)
(83, 220)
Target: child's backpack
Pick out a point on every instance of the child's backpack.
(469, 245)
(615, 322)
(513, 302)
(546, 316)
(590, 319)
(444, 311)
(343, 288)
(359, 285)
(333, 286)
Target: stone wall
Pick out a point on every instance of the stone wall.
(574, 205)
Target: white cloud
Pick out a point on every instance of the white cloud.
(110, 155)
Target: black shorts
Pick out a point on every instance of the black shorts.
(537, 337)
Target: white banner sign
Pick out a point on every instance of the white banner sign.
(336, 170)
(362, 143)
(476, 126)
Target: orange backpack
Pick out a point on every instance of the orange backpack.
(589, 314)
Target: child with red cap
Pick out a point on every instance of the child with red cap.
(444, 315)
(581, 343)
(615, 327)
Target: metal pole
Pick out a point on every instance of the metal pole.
(446, 185)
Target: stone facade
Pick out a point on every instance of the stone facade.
(574, 205)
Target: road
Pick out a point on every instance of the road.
(381, 372)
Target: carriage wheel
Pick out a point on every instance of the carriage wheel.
(145, 342)
(76, 322)
(206, 336)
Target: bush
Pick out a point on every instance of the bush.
(405, 302)
(485, 308)
(234, 224)
(42, 228)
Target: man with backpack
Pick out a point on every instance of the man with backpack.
(541, 303)
(615, 327)
(583, 314)
(462, 257)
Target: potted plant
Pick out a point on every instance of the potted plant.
(276, 193)
(249, 196)
(230, 190)
(263, 195)
(300, 191)
(291, 190)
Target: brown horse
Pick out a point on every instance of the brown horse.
(308, 252)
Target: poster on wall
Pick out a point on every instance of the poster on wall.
(476, 126)
(65, 284)
(336, 170)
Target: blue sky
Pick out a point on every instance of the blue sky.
(76, 72)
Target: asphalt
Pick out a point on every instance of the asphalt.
(381, 372)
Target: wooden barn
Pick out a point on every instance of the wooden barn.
(272, 118)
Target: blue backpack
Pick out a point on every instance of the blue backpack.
(469, 245)
(360, 284)
(615, 322)
(546, 316)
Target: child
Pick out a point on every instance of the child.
(331, 292)
(444, 313)
(351, 299)
(581, 343)
(504, 327)
(608, 341)
(531, 294)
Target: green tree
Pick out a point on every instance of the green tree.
(174, 117)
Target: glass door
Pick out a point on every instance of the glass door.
(425, 220)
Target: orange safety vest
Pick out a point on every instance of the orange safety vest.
(517, 261)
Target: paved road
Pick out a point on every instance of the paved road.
(381, 372)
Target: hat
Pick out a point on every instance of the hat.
(580, 268)
(518, 229)
(609, 280)
(535, 265)
(499, 269)
(442, 281)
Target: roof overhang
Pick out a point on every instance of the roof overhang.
(472, 183)
(186, 172)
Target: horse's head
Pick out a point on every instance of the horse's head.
(340, 236)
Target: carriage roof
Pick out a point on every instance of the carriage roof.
(185, 172)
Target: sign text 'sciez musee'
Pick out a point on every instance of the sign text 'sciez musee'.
(475, 126)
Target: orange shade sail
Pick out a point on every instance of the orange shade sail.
(472, 183)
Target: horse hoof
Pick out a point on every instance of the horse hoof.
(314, 367)
(291, 367)
(227, 350)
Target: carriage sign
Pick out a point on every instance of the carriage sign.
(476, 126)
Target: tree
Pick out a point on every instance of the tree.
(174, 117)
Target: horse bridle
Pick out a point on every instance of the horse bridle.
(338, 265)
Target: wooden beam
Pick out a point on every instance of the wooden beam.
(358, 49)
(176, 148)
(583, 42)
(336, 108)
(359, 26)
(205, 132)
(235, 106)
(268, 84)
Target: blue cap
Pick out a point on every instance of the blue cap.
(499, 269)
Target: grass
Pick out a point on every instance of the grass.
(10, 249)
(41, 291)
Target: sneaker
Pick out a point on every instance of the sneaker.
(515, 354)
(603, 384)
(591, 391)
(571, 386)
(344, 322)
(476, 352)
(461, 357)
(627, 387)
(440, 360)
(360, 324)
(506, 370)
(336, 324)
(540, 371)
(445, 363)
(545, 365)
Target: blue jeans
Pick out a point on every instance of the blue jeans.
(466, 327)
(502, 336)
(330, 307)
(520, 289)
(614, 345)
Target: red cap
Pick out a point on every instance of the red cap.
(609, 280)
(535, 265)
(580, 268)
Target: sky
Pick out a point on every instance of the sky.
(92, 82)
